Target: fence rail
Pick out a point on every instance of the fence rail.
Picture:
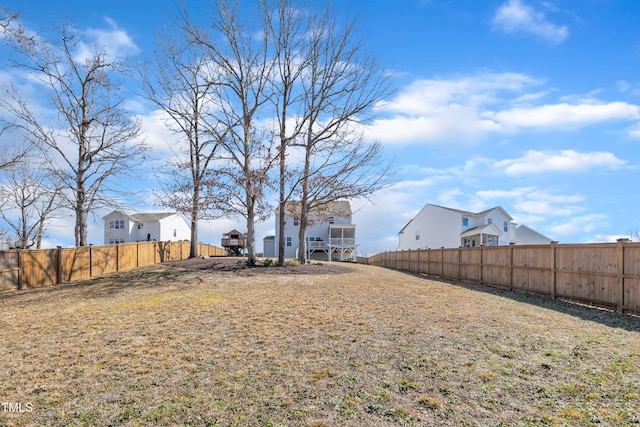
(25, 269)
(603, 274)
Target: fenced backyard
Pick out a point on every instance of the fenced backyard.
(25, 269)
(603, 274)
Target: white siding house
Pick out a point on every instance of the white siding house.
(123, 228)
(437, 226)
(330, 236)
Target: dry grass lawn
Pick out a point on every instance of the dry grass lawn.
(371, 347)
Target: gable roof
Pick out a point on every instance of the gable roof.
(143, 217)
(341, 208)
(533, 232)
(490, 229)
(150, 217)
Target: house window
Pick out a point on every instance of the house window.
(417, 234)
(295, 223)
(506, 226)
(175, 232)
(117, 224)
(332, 220)
(115, 241)
(465, 222)
(489, 221)
(288, 241)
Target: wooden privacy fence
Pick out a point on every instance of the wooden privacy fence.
(603, 274)
(24, 269)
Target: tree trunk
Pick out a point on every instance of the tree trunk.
(193, 252)
(304, 202)
(81, 218)
(302, 233)
(195, 208)
(281, 237)
(251, 239)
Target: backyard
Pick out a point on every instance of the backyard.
(322, 345)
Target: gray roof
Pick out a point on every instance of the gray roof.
(341, 208)
(143, 217)
(150, 217)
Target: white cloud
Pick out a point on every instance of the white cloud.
(562, 115)
(515, 16)
(578, 224)
(445, 110)
(470, 108)
(113, 40)
(537, 162)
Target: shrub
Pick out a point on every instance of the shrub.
(292, 262)
(268, 262)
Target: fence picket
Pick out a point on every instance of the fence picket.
(602, 274)
(24, 269)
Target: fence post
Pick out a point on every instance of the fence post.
(20, 270)
(553, 270)
(481, 265)
(620, 303)
(59, 267)
(90, 260)
(511, 245)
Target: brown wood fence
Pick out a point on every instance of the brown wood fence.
(603, 274)
(24, 269)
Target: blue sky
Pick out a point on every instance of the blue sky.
(530, 105)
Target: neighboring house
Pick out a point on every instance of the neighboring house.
(441, 227)
(122, 228)
(529, 236)
(437, 226)
(330, 234)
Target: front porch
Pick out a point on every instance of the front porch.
(484, 235)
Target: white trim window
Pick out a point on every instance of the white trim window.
(116, 224)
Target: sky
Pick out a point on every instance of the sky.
(529, 105)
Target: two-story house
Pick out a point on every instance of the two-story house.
(140, 227)
(329, 236)
(437, 226)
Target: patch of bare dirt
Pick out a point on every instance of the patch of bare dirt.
(240, 265)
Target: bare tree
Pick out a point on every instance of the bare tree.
(87, 139)
(30, 201)
(180, 82)
(242, 76)
(9, 23)
(342, 84)
(289, 27)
